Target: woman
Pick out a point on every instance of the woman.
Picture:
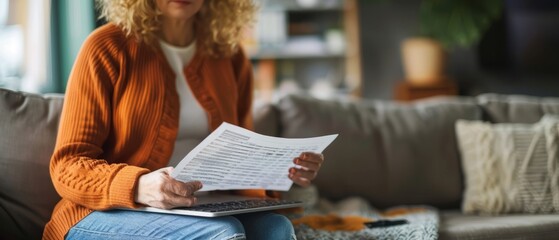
(160, 72)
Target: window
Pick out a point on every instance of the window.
(39, 40)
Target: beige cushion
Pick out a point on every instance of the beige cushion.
(457, 226)
(510, 168)
(28, 127)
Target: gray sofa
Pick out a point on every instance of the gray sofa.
(388, 153)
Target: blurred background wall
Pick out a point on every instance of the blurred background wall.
(505, 61)
(326, 48)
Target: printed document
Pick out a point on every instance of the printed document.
(232, 157)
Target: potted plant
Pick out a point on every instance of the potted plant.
(445, 24)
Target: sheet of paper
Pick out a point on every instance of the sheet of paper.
(232, 157)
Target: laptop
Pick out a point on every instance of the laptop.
(221, 204)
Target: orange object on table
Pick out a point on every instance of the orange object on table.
(333, 222)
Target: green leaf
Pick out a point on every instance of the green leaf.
(458, 22)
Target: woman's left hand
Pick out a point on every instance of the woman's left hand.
(309, 163)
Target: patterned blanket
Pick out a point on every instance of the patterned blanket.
(423, 221)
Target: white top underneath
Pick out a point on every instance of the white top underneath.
(193, 120)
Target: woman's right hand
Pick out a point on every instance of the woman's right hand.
(158, 189)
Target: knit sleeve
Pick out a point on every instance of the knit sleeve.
(77, 172)
(244, 76)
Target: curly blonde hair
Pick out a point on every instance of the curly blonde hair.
(218, 25)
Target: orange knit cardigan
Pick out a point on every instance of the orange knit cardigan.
(120, 120)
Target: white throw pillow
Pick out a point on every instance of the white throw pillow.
(510, 168)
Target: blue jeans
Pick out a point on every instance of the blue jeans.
(122, 224)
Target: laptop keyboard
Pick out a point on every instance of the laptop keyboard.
(239, 205)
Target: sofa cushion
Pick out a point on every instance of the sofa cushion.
(28, 127)
(510, 167)
(457, 226)
(266, 119)
(499, 108)
(388, 153)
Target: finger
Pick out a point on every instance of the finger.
(182, 188)
(312, 157)
(300, 173)
(179, 194)
(190, 187)
(173, 201)
(303, 182)
(195, 186)
(313, 166)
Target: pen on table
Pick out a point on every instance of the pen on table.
(386, 223)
